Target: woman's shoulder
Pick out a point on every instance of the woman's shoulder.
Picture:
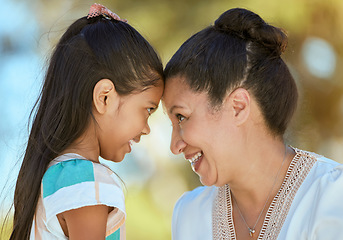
(199, 194)
(323, 167)
(328, 173)
(192, 214)
(317, 209)
(323, 184)
(316, 182)
(192, 201)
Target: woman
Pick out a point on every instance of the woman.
(230, 97)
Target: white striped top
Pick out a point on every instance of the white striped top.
(72, 182)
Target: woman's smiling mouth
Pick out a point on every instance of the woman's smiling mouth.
(195, 160)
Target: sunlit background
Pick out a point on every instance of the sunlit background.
(154, 178)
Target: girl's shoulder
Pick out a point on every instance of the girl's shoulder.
(72, 169)
(73, 182)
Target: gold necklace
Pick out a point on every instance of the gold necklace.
(252, 230)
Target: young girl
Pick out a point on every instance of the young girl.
(103, 82)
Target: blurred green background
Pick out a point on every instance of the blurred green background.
(154, 178)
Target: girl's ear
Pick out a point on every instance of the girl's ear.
(239, 102)
(104, 95)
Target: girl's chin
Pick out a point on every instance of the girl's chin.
(116, 158)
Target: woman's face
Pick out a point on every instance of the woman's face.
(201, 133)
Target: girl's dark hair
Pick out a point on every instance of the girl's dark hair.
(240, 50)
(90, 50)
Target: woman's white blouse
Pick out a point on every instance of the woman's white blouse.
(316, 212)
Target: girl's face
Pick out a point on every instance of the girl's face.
(202, 134)
(126, 122)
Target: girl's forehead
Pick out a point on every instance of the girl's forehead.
(153, 92)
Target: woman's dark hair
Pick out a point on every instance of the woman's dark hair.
(90, 50)
(240, 50)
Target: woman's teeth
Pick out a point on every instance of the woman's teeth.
(195, 158)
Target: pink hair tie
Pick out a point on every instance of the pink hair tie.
(98, 10)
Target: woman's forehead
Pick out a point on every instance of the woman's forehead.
(177, 93)
(176, 88)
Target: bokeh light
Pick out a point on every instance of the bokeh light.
(319, 57)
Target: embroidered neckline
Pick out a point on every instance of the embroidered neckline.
(223, 226)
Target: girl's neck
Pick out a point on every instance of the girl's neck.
(89, 155)
(86, 145)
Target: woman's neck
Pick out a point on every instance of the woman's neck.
(264, 167)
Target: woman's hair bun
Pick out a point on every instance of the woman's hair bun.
(251, 27)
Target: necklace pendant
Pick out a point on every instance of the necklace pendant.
(251, 232)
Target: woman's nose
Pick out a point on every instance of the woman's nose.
(177, 144)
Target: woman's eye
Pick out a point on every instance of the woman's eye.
(180, 118)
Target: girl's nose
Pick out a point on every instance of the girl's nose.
(146, 129)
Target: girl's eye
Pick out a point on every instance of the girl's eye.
(150, 110)
(180, 118)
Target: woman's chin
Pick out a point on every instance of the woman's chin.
(206, 182)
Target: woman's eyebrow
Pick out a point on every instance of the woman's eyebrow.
(173, 108)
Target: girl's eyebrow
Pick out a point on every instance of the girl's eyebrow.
(155, 104)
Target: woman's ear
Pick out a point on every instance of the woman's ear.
(239, 102)
(104, 94)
